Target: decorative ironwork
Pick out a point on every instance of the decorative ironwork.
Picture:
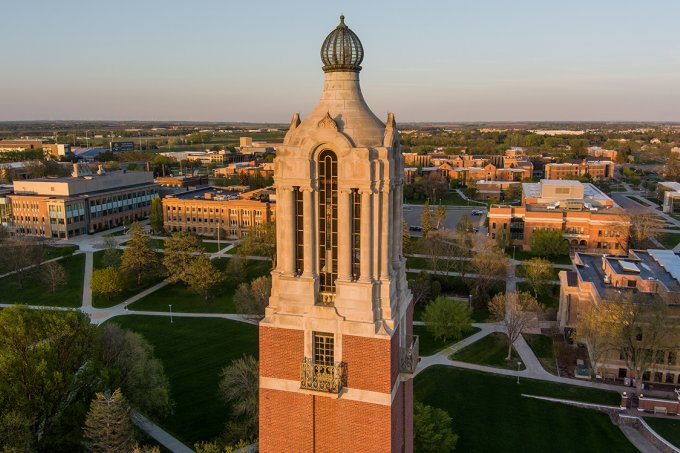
(322, 378)
(410, 355)
(326, 299)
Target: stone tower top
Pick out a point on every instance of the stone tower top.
(342, 50)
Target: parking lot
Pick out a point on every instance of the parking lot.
(412, 214)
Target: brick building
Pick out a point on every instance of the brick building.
(205, 210)
(589, 219)
(53, 149)
(337, 354)
(597, 169)
(81, 203)
(595, 277)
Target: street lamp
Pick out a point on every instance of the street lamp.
(170, 306)
(470, 301)
(513, 253)
(518, 365)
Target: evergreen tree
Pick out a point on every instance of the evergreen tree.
(181, 251)
(108, 428)
(156, 215)
(426, 218)
(138, 258)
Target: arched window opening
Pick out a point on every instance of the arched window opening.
(328, 221)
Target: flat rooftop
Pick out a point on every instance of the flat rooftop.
(213, 193)
(661, 265)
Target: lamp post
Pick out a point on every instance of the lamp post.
(518, 365)
(470, 301)
(513, 253)
(170, 307)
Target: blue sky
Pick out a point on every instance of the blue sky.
(475, 60)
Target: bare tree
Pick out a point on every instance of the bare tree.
(645, 223)
(490, 265)
(252, 298)
(598, 328)
(53, 275)
(518, 311)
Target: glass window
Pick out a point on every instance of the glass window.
(323, 348)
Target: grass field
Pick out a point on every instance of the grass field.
(550, 298)
(53, 252)
(193, 351)
(430, 346)
(521, 255)
(669, 240)
(542, 346)
(35, 292)
(183, 299)
(668, 429)
(490, 415)
(450, 198)
(490, 351)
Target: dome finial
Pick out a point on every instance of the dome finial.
(342, 50)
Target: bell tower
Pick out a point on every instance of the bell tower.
(337, 351)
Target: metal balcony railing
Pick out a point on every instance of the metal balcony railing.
(410, 355)
(326, 299)
(322, 378)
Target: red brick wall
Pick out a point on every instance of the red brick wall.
(368, 363)
(281, 352)
(285, 422)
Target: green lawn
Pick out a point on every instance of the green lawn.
(521, 255)
(34, 292)
(451, 198)
(426, 263)
(56, 251)
(183, 299)
(542, 346)
(669, 240)
(490, 351)
(193, 351)
(550, 298)
(430, 346)
(666, 428)
(490, 415)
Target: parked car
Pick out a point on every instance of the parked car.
(415, 228)
(477, 212)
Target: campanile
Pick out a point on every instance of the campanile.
(337, 351)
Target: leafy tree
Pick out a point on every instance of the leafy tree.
(108, 428)
(156, 215)
(447, 318)
(598, 327)
(434, 185)
(518, 311)
(138, 258)
(260, 241)
(426, 218)
(252, 298)
(46, 364)
(513, 192)
(111, 256)
(405, 236)
(53, 275)
(439, 215)
(537, 272)
(180, 253)
(546, 242)
(128, 363)
(423, 288)
(645, 224)
(239, 387)
(203, 276)
(106, 282)
(432, 430)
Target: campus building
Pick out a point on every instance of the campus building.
(596, 169)
(337, 351)
(206, 210)
(596, 277)
(82, 203)
(53, 149)
(588, 219)
(669, 193)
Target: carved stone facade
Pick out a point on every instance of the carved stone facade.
(338, 328)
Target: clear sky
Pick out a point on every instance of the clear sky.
(259, 60)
